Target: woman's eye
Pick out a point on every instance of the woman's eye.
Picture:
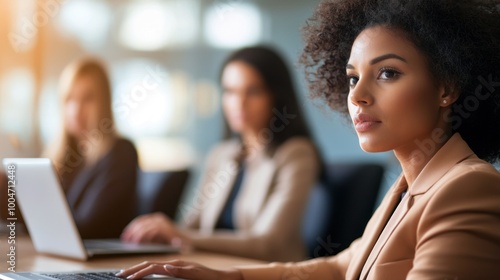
(353, 81)
(388, 74)
(255, 91)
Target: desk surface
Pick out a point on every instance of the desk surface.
(27, 259)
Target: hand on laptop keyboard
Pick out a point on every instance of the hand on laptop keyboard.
(85, 276)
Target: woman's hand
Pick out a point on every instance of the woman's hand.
(179, 269)
(156, 227)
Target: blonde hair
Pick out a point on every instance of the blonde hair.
(68, 153)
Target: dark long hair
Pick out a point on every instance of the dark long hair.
(274, 71)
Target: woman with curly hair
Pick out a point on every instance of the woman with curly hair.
(420, 78)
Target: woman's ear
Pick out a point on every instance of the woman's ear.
(448, 94)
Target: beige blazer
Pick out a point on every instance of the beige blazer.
(447, 226)
(268, 209)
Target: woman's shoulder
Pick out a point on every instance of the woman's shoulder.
(123, 144)
(476, 167)
(462, 165)
(296, 144)
(224, 151)
(227, 147)
(122, 149)
(296, 147)
(472, 177)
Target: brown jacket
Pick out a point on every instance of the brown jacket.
(446, 227)
(268, 209)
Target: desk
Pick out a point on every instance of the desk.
(27, 259)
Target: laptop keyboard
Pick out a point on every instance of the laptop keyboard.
(85, 276)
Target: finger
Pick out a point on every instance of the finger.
(151, 269)
(153, 228)
(136, 268)
(126, 235)
(176, 242)
(144, 217)
(135, 221)
(147, 234)
(152, 231)
(132, 227)
(161, 216)
(137, 234)
(183, 269)
(192, 272)
(177, 262)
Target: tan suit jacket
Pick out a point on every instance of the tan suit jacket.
(447, 226)
(269, 207)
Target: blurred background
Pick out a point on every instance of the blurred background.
(178, 44)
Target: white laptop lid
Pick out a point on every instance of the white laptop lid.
(45, 209)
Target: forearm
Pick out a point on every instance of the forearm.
(230, 243)
(317, 269)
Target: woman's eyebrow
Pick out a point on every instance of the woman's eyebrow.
(381, 58)
(387, 56)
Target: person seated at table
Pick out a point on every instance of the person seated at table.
(419, 78)
(257, 182)
(97, 167)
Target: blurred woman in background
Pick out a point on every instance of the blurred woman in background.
(257, 182)
(97, 168)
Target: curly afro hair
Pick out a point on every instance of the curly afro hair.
(461, 40)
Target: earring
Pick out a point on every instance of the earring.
(445, 101)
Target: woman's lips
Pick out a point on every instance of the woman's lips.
(365, 122)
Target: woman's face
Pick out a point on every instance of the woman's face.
(81, 107)
(393, 101)
(246, 101)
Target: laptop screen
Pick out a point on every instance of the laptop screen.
(44, 207)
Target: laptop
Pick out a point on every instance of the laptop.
(48, 217)
(78, 275)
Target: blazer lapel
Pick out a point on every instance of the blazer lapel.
(375, 227)
(435, 169)
(453, 152)
(258, 179)
(395, 219)
(221, 183)
(81, 182)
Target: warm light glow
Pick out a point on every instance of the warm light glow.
(207, 98)
(88, 21)
(142, 98)
(16, 102)
(164, 154)
(232, 25)
(50, 115)
(25, 26)
(153, 25)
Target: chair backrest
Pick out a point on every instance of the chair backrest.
(340, 206)
(160, 191)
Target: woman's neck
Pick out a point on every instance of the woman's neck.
(91, 149)
(252, 143)
(415, 156)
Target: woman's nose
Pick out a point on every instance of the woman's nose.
(361, 95)
(241, 101)
(74, 109)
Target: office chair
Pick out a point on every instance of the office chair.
(340, 206)
(160, 191)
